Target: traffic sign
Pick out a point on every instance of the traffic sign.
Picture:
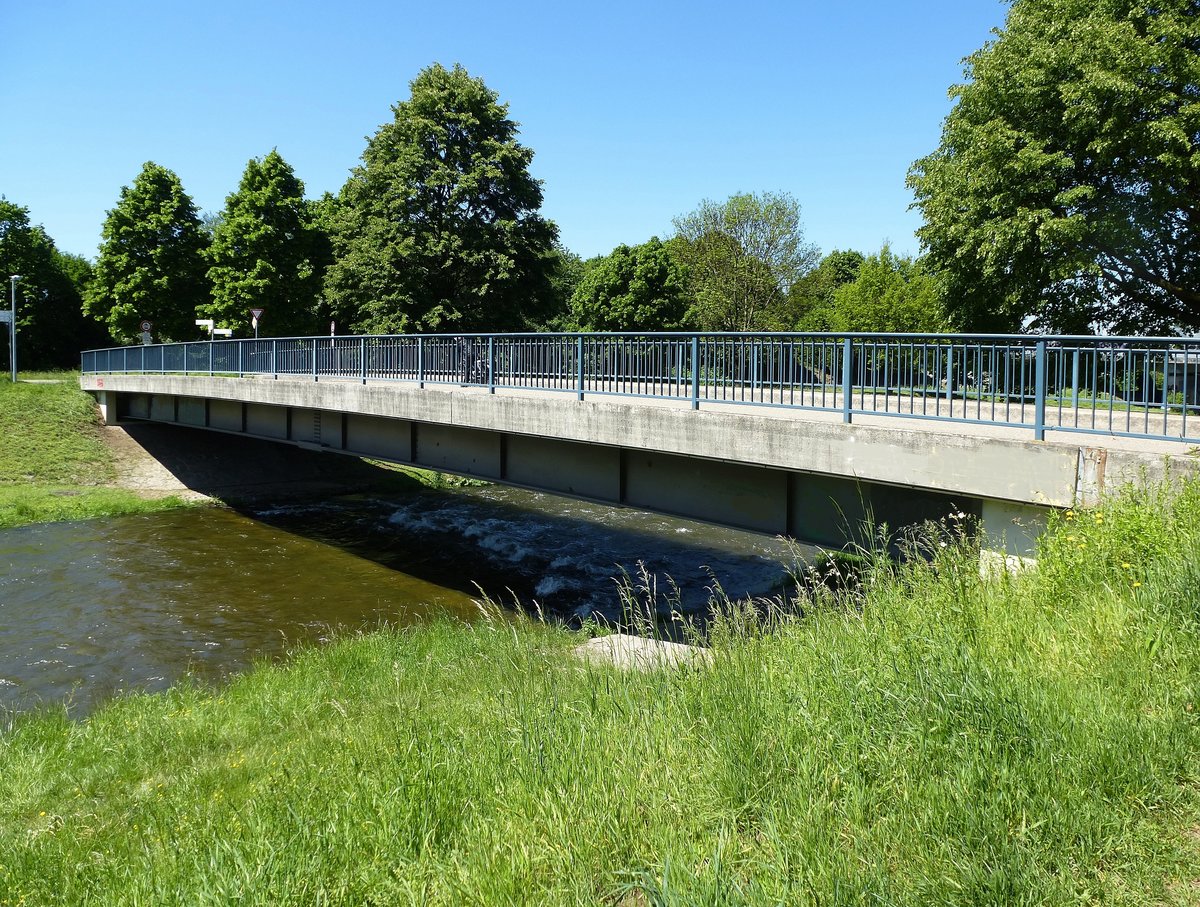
(256, 313)
(5, 317)
(146, 327)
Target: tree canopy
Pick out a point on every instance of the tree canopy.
(151, 264)
(633, 288)
(439, 228)
(889, 293)
(51, 328)
(1065, 192)
(743, 256)
(266, 253)
(811, 297)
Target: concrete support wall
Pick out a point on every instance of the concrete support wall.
(587, 471)
(827, 510)
(744, 496)
(225, 415)
(373, 436)
(1010, 533)
(134, 406)
(307, 426)
(162, 408)
(191, 411)
(460, 450)
(267, 421)
(109, 405)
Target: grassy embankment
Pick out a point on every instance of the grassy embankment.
(53, 464)
(936, 739)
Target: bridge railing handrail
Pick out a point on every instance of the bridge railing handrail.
(1115, 385)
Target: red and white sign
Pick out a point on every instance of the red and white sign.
(256, 313)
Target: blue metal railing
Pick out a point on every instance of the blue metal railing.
(1147, 387)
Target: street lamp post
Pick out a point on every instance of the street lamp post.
(12, 328)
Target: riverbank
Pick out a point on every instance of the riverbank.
(54, 462)
(932, 738)
(60, 462)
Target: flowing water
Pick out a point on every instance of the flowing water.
(95, 608)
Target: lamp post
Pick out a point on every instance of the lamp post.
(12, 329)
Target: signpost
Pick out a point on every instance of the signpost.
(255, 315)
(12, 329)
(146, 328)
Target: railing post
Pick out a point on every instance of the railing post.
(695, 371)
(210, 358)
(274, 359)
(847, 379)
(185, 358)
(491, 364)
(362, 359)
(949, 380)
(241, 359)
(1039, 394)
(1075, 379)
(579, 365)
(315, 344)
(420, 361)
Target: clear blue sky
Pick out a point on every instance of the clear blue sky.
(636, 111)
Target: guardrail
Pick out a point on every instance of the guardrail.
(1146, 387)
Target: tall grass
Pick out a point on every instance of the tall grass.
(929, 737)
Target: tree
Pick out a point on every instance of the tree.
(565, 275)
(889, 294)
(266, 253)
(151, 265)
(51, 329)
(743, 256)
(639, 288)
(811, 297)
(1066, 188)
(439, 228)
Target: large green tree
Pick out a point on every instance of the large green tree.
(151, 265)
(439, 228)
(1065, 192)
(889, 293)
(638, 288)
(51, 328)
(565, 275)
(811, 297)
(266, 252)
(743, 255)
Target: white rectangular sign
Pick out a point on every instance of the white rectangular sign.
(6, 317)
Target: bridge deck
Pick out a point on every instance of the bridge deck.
(905, 414)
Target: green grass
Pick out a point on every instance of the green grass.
(53, 463)
(932, 738)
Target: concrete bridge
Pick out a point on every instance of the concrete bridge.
(784, 434)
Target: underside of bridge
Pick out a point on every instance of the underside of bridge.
(825, 509)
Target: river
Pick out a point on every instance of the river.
(93, 609)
